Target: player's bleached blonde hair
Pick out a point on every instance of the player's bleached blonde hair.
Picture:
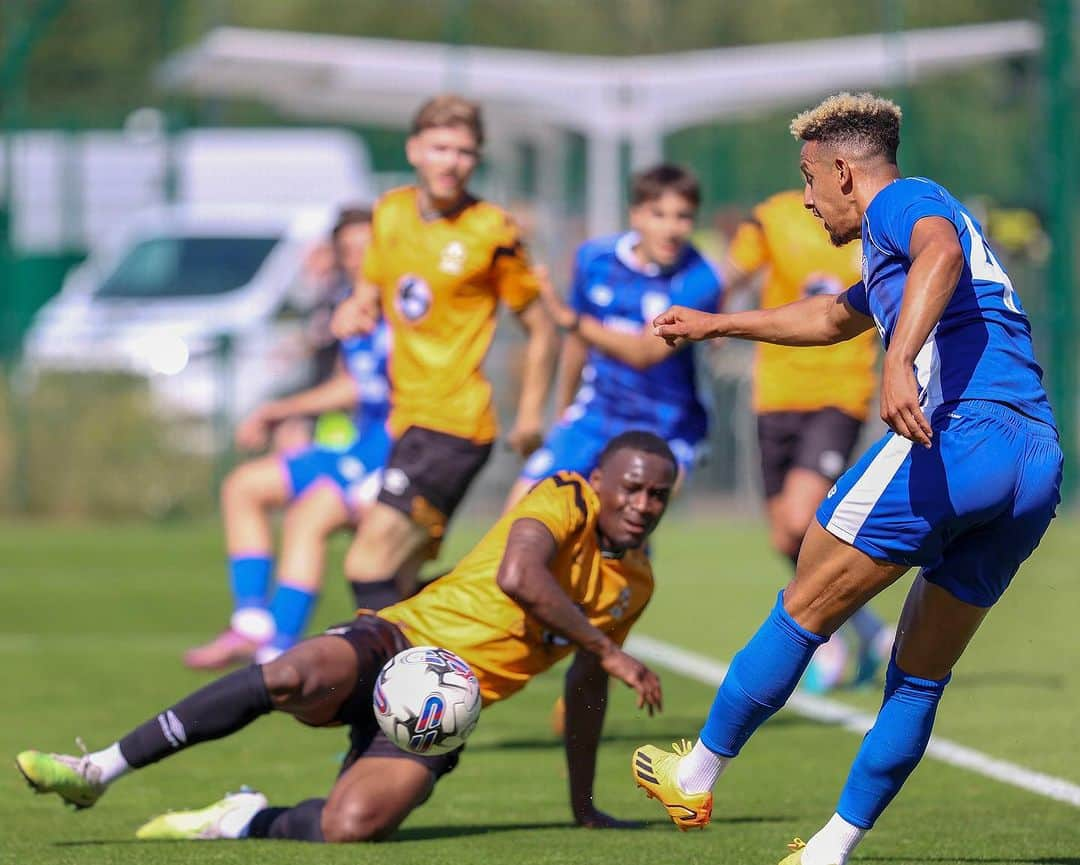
(861, 121)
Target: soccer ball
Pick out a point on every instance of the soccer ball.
(426, 700)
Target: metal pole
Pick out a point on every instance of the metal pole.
(1061, 154)
(12, 106)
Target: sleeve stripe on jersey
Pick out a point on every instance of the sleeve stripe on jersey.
(579, 495)
(510, 251)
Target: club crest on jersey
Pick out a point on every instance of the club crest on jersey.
(413, 297)
(601, 294)
(452, 260)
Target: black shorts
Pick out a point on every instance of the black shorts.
(375, 642)
(821, 441)
(428, 474)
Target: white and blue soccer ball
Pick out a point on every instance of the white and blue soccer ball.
(427, 700)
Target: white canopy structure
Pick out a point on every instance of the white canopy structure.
(536, 97)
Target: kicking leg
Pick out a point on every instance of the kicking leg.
(832, 580)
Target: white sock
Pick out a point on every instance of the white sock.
(833, 844)
(700, 769)
(111, 763)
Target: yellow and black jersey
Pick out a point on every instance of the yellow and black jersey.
(439, 283)
(788, 240)
(466, 611)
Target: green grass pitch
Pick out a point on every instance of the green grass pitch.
(93, 620)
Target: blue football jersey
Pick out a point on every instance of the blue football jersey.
(365, 358)
(612, 287)
(981, 348)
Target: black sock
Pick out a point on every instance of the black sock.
(217, 710)
(302, 822)
(375, 596)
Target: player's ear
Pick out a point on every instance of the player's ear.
(596, 478)
(843, 174)
(412, 150)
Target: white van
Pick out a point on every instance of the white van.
(205, 301)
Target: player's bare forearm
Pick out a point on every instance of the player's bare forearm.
(937, 262)
(525, 578)
(821, 320)
(337, 393)
(571, 362)
(585, 692)
(540, 351)
(639, 351)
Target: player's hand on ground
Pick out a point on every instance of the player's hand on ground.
(632, 672)
(560, 313)
(679, 324)
(525, 437)
(900, 407)
(253, 433)
(594, 818)
(355, 316)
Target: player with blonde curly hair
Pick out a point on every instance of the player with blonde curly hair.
(963, 486)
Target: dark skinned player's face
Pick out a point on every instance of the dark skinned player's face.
(633, 488)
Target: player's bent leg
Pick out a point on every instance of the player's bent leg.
(312, 680)
(386, 541)
(309, 523)
(247, 493)
(372, 798)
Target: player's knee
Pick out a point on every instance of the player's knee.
(366, 563)
(284, 679)
(356, 819)
(307, 522)
(235, 487)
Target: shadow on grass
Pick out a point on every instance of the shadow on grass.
(433, 833)
(644, 735)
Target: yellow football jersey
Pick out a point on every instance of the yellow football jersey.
(788, 240)
(440, 282)
(466, 611)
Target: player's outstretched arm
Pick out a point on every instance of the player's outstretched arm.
(821, 320)
(937, 260)
(586, 693)
(525, 577)
(637, 350)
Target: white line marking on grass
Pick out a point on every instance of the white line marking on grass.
(712, 672)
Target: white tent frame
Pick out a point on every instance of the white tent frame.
(536, 97)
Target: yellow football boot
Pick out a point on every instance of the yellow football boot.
(795, 857)
(655, 772)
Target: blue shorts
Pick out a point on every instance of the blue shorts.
(967, 511)
(355, 472)
(574, 445)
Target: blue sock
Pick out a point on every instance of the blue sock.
(291, 608)
(249, 577)
(892, 748)
(759, 681)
